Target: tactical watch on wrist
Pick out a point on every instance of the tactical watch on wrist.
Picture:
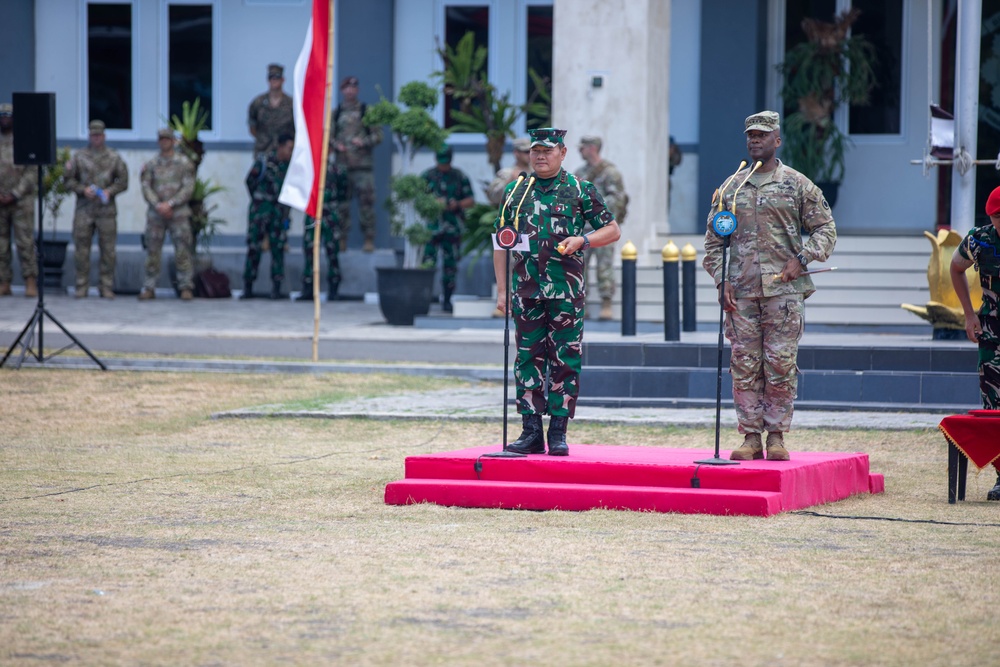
(802, 260)
(586, 242)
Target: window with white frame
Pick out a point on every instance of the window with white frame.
(190, 57)
(538, 38)
(460, 19)
(109, 64)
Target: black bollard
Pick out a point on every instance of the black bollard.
(671, 292)
(689, 290)
(629, 254)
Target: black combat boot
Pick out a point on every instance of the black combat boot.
(446, 301)
(247, 290)
(332, 287)
(275, 289)
(307, 291)
(531, 440)
(557, 436)
(994, 493)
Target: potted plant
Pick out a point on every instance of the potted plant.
(407, 291)
(54, 193)
(831, 68)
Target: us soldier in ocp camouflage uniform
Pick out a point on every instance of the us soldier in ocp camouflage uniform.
(608, 181)
(765, 288)
(17, 206)
(267, 218)
(271, 114)
(352, 142)
(97, 175)
(453, 189)
(329, 232)
(507, 175)
(167, 186)
(548, 288)
(982, 248)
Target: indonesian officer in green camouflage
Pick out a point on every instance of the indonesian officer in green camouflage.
(609, 182)
(268, 219)
(765, 288)
(454, 192)
(334, 189)
(167, 186)
(981, 247)
(97, 175)
(546, 290)
(17, 205)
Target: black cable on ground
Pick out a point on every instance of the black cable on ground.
(890, 518)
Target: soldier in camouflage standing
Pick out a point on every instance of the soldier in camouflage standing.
(765, 288)
(97, 175)
(507, 175)
(352, 142)
(167, 185)
(608, 181)
(268, 220)
(454, 192)
(17, 205)
(270, 114)
(546, 293)
(982, 248)
(329, 232)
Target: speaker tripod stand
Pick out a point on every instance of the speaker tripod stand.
(37, 319)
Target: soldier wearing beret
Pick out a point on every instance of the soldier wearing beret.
(97, 175)
(609, 182)
(352, 142)
(546, 291)
(270, 113)
(765, 288)
(982, 248)
(17, 205)
(454, 192)
(167, 186)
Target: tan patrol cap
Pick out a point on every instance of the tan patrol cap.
(165, 133)
(591, 140)
(522, 145)
(764, 121)
(96, 127)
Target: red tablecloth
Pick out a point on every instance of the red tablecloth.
(977, 435)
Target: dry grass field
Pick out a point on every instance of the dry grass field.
(135, 529)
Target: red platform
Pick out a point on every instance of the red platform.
(632, 478)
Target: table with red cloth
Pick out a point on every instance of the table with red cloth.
(973, 437)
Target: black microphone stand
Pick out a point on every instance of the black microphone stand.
(27, 334)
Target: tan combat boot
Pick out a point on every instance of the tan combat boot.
(605, 309)
(107, 293)
(4, 289)
(81, 292)
(750, 449)
(186, 295)
(30, 287)
(369, 245)
(343, 244)
(776, 447)
(146, 295)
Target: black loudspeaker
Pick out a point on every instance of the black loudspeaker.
(34, 128)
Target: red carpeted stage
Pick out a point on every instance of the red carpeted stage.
(649, 479)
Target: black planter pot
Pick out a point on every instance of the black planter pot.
(830, 190)
(404, 293)
(53, 259)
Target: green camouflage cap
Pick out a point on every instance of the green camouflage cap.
(547, 136)
(6, 109)
(765, 121)
(443, 154)
(274, 70)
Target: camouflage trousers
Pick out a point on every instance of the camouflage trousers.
(16, 223)
(989, 364)
(547, 365)
(451, 253)
(266, 221)
(85, 224)
(604, 257)
(329, 236)
(764, 335)
(360, 183)
(180, 233)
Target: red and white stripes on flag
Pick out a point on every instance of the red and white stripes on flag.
(303, 186)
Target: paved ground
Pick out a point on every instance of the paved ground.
(262, 335)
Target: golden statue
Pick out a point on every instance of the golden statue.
(944, 311)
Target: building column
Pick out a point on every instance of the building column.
(610, 77)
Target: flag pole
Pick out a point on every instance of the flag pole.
(318, 214)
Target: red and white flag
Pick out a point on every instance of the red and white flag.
(302, 188)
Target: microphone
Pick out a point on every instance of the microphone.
(755, 168)
(721, 192)
(520, 178)
(517, 213)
